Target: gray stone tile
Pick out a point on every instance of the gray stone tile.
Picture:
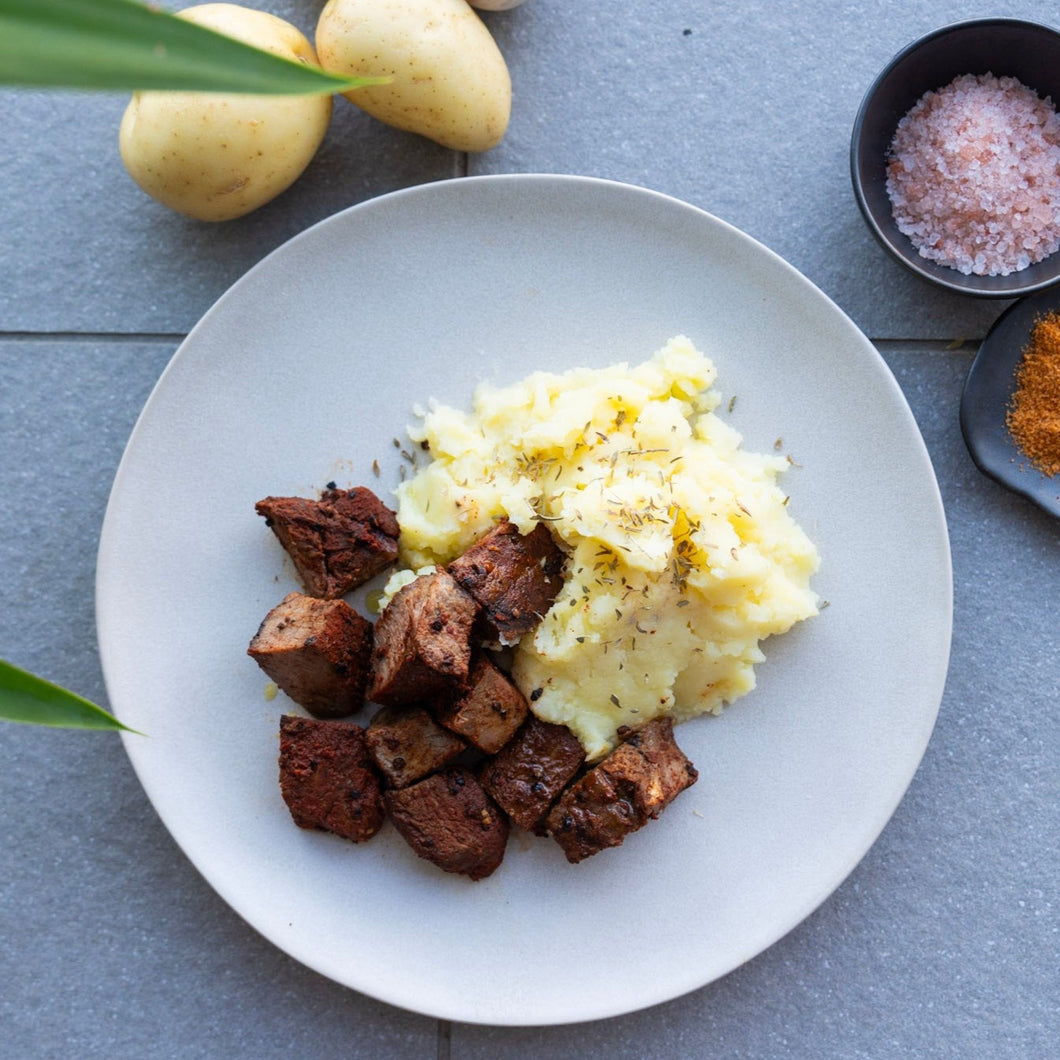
(937, 944)
(896, 963)
(84, 249)
(941, 942)
(111, 944)
(715, 106)
(743, 110)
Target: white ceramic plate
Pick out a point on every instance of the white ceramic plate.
(304, 372)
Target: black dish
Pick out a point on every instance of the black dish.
(1027, 51)
(986, 398)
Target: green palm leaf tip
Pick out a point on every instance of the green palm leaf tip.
(131, 46)
(27, 698)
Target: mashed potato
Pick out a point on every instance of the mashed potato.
(682, 554)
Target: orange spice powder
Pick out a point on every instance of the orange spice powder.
(1033, 416)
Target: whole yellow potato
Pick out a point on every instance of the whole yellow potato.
(215, 156)
(449, 81)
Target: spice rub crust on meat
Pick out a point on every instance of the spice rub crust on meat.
(327, 780)
(337, 542)
(489, 712)
(454, 755)
(422, 642)
(514, 578)
(407, 744)
(449, 819)
(317, 651)
(621, 794)
(530, 772)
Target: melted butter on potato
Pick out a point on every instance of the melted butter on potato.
(217, 156)
(449, 81)
(682, 553)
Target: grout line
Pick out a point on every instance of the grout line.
(445, 1039)
(955, 346)
(91, 336)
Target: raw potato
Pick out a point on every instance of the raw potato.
(449, 83)
(215, 156)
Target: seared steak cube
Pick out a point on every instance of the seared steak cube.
(337, 542)
(327, 779)
(406, 744)
(630, 787)
(422, 642)
(489, 712)
(528, 774)
(514, 578)
(318, 651)
(449, 820)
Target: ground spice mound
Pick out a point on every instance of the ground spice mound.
(1034, 414)
(973, 175)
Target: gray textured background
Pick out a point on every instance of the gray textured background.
(943, 942)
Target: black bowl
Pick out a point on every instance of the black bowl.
(988, 393)
(1001, 46)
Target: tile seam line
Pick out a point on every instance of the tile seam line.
(444, 1040)
(92, 336)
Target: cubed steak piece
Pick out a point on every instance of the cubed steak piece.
(337, 542)
(406, 744)
(530, 772)
(630, 787)
(422, 642)
(327, 779)
(449, 820)
(513, 577)
(489, 712)
(318, 651)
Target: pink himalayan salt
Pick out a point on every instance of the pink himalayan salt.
(973, 176)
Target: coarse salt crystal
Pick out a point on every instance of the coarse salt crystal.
(973, 175)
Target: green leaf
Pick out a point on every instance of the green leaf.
(127, 45)
(27, 698)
